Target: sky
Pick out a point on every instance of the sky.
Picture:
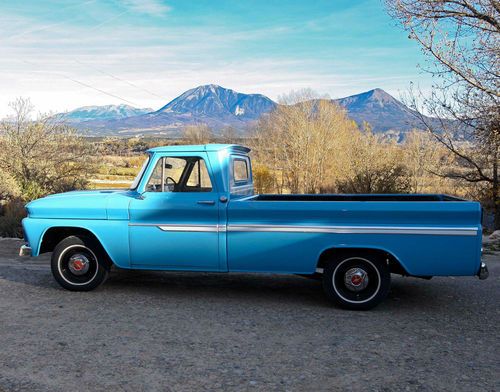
(66, 54)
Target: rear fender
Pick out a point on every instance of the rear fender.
(399, 267)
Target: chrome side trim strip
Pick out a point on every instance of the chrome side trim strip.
(422, 230)
(183, 228)
(190, 228)
(460, 231)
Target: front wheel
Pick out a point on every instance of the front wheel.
(79, 263)
(357, 281)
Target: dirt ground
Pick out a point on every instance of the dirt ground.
(154, 331)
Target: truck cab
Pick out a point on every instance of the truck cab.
(184, 196)
(193, 208)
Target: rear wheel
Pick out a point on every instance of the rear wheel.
(357, 281)
(79, 263)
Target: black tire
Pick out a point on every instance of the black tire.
(79, 263)
(357, 280)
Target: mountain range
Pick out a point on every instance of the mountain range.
(106, 112)
(219, 107)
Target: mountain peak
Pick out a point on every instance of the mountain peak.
(211, 87)
(380, 109)
(208, 88)
(212, 100)
(382, 95)
(376, 94)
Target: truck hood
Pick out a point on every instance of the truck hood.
(98, 204)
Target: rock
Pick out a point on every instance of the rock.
(495, 235)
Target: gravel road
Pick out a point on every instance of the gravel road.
(153, 331)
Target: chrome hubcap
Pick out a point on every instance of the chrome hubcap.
(356, 279)
(78, 264)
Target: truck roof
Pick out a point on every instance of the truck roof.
(201, 147)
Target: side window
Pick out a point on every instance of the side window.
(241, 172)
(199, 180)
(179, 174)
(155, 181)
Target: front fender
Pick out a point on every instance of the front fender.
(112, 234)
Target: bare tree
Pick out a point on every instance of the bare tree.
(228, 135)
(302, 141)
(42, 155)
(423, 156)
(462, 40)
(376, 165)
(198, 134)
(460, 35)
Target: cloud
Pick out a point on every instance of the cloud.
(126, 50)
(149, 7)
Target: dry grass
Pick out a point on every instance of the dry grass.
(115, 171)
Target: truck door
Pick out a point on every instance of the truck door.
(175, 223)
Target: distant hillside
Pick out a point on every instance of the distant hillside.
(381, 110)
(107, 112)
(220, 107)
(213, 105)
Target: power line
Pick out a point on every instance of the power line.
(101, 91)
(117, 78)
(98, 70)
(85, 84)
(95, 27)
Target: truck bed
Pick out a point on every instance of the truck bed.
(358, 197)
(427, 233)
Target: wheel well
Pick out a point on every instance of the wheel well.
(54, 235)
(394, 264)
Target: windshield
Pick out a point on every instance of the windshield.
(137, 179)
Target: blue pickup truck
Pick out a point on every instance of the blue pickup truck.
(193, 208)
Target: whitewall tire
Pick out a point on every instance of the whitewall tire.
(79, 263)
(356, 280)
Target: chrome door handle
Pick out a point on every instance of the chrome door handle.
(206, 202)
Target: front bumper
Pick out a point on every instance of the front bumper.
(483, 271)
(25, 250)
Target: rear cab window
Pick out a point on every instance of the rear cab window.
(240, 170)
(241, 175)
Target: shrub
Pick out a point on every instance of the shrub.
(10, 222)
(264, 181)
(8, 186)
(388, 179)
(44, 155)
